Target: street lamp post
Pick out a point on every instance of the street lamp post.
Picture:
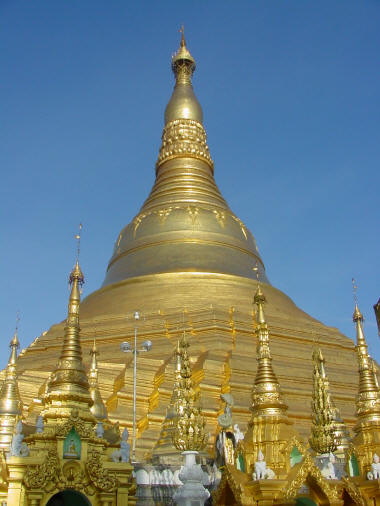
(127, 348)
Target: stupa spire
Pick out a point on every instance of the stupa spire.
(98, 409)
(368, 400)
(69, 381)
(323, 438)
(266, 396)
(10, 403)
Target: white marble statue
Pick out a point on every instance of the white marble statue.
(262, 472)
(225, 419)
(17, 444)
(238, 433)
(328, 470)
(374, 474)
(122, 455)
(99, 430)
(39, 424)
(124, 446)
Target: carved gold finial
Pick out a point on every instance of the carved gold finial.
(266, 395)
(98, 409)
(69, 379)
(188, 424)
(183, 64)
(368, 400)
(323, 438)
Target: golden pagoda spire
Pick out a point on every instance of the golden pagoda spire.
(10, 403)
(368, 400)
(98, 409)
(189, 424)
(266, 396)
(323, 438)
(69, 387)
(185, 210)
(183, 135)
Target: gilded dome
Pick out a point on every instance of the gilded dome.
(185, 225)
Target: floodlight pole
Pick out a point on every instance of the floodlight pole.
(126, 348)
(137, 316)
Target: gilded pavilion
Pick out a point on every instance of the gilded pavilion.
(189, 264)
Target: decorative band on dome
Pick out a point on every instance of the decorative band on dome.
(184, 138)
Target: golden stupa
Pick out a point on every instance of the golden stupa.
(187, 262)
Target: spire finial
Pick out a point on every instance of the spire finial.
(354, 290)
(266, 395)
(14, 344)
(77, 237)
(182, 32)
(323, 439)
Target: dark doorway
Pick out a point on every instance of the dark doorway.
(68, 498)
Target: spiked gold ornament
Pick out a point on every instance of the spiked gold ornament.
(323, 438)
(188, 424)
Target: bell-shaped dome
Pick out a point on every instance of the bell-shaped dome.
(185, 225)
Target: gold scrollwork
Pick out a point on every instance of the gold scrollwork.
(99, 476)
(75, 422)
(45, 475)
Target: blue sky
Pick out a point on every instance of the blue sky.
(291, 99)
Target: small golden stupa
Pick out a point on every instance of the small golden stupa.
(185, 250)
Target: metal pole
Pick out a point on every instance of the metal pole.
(134, 396)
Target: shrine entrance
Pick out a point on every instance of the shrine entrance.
(68, 498)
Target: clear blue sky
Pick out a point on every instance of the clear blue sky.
(291, 99)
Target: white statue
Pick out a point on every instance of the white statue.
(39, 424)
(124, 446)
(374, 474)
(122, 455)
(18, 448)
(99, 430)
(262, 472)
(328, 470)
(238, 433)
(225, 419)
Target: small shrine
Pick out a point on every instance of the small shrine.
(72, 455)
